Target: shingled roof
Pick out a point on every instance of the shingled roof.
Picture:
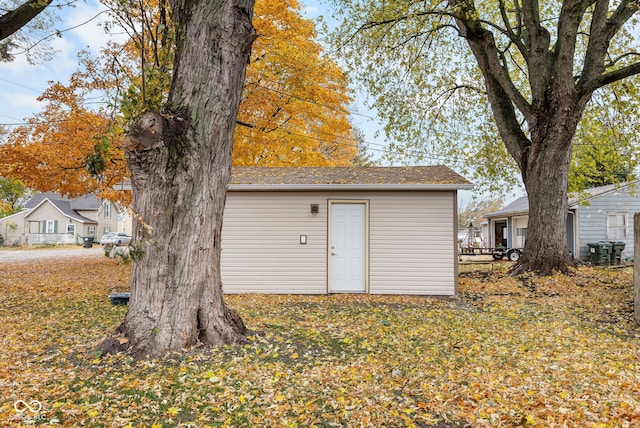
(68, 207)
(410, 177)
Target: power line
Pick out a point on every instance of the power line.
(59, 32)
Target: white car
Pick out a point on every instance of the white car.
(115, 238)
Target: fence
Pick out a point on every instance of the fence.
(50, 238)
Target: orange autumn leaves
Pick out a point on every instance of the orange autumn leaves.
(50, 153)
(294, 97)
(294, 102)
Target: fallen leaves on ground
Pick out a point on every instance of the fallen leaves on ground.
(557, 351)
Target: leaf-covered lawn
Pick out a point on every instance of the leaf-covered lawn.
(560, 351)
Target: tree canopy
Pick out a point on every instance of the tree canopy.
(475, 81)
(294, 99)
(11, 193)
(606, 143)
(293, 110)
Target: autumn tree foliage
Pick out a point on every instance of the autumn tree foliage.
(518, 76)
(293, 109)
(67, 148)
(294, 105)
(11, 193)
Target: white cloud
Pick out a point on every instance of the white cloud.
(311, 11)
(89, 33)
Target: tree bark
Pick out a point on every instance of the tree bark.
(180, 164)
(15, 19)
(545, 179)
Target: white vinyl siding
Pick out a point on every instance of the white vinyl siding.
(411, 242)
(261, 250)
(593, 220)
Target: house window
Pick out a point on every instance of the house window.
(91, 230)
(107, 229)
(616, 226)
(107, 209)
(71, 229)
(50, 226)
(521, 231)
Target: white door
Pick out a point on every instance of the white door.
(347, 248)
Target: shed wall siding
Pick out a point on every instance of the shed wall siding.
(411, 242)
(592, 219)
(261, 250)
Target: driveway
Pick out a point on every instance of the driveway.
(12, 256)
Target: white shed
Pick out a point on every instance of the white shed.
(382, 230)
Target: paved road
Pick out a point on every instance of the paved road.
(26, 255)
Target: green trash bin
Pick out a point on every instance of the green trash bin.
(600, 253)
(616, 252)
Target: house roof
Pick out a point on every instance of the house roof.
(438, 177)
(521, 205)
(81, 203)
(68, 207)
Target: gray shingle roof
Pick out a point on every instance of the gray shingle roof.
(68, 207)
(521, 205)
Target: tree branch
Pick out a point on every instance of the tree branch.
(14, 20)
(611, 77)
(602, 31)
(483, 46)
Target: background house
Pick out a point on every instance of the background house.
(49, 218)
(341, 230)
(598, 214)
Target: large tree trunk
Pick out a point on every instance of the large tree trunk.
(545, 178)
(544, 165)
(180, 164)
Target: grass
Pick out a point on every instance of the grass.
(557, 351)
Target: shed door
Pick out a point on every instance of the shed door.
(347, 263)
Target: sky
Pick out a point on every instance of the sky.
(21, 83)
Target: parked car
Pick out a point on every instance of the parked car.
(115, 238)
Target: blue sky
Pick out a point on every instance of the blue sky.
(21, 83)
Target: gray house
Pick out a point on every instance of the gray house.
(598, 214)
(49, 218)
(341, 230)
